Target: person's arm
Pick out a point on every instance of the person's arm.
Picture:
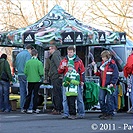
(62, 67)
(25, 69)
(115, 76)
(82, 72)
(76, 81)
(47, 67)
(8, 70)
(56, 59)
(41, 69)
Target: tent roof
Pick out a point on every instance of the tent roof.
(64, 28)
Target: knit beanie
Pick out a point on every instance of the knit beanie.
(70, 63)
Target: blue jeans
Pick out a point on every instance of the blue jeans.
(131, 94)
(23, 91)
(115, 99)
(80, 103)
(4, 96)
(106, 102)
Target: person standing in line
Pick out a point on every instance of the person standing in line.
(5, 84)
(70, 82)
(79, 66)
(128, 73)
(109, 78)
(34, 71)
(56, 79)
(21, 60)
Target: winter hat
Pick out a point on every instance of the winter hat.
(70, 63)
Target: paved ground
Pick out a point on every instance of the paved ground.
(15, 122)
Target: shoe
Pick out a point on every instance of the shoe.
(55, 112)
(2, 110)
(108, 117)
(24, 111)
(102, 115)
(36, 111)
(72, 117)
(81, 117)
(115, 112)
(29, 111)
(6, 111)
(64, 117)
(130, 112)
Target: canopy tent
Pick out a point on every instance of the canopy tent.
(64, 28)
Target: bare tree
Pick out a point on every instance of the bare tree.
(115, 15)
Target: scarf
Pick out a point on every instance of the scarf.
(71, 58)
(102, 67)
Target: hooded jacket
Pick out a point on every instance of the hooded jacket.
(55, 59)
(110, 74)
(78, 65)
(4, 65)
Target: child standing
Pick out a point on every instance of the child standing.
(109, 78)
(71, 82)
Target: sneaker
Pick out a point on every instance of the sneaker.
(23, 111)
(36, 111)
(102, 115)
(81, 117)
(130, 112)
(6, 111)
(29, 111)
(64, 117)
(72, 117)
(108, 117)
(1, 110)
(56, 112)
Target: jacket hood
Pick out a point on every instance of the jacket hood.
(2, 60)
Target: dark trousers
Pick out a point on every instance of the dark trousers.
(32, 87)
(57, 94)
(71, 104)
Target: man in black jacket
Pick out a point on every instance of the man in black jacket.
(56, 79)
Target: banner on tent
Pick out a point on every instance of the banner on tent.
(72, 38)
(29, 37)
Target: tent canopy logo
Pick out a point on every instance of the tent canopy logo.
(102, 38)
(79, 39)
(68, 39)
(123, 39)
(29, 38)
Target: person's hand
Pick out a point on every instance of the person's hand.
(11, 83)
(93, 63)
(111, 85)
(64, 64)
(82, 83)
(45, 81)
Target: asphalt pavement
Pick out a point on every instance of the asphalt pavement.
(16, 122)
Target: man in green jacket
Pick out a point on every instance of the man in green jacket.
(34, 72)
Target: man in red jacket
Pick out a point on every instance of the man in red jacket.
(79, 66)
(128, 71)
